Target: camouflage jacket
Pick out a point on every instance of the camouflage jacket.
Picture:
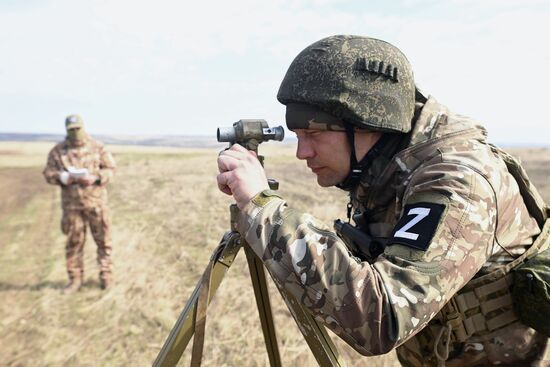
(91, 155)
(446, 205)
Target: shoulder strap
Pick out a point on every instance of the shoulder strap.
(533, 200)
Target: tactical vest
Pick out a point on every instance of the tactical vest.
(486, 303)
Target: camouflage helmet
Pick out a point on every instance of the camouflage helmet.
(363, 81)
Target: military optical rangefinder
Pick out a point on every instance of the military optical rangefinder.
(250, 133)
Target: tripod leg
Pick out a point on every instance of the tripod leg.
(183, 330)
(257, 274)
(316, 336)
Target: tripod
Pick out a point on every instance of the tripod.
(192, 320)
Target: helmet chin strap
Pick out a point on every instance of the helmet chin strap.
(357, 168)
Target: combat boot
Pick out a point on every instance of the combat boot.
(73, 286)
(105, 281)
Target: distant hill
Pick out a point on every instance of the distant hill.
(147, 140)
(182, 141)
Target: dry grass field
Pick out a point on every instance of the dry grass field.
(168, 216)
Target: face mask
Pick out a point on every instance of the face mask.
(76, 134)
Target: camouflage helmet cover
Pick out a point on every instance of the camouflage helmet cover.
(363, 81)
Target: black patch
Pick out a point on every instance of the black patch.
(417, 288)
(417, 226)
(259, 230)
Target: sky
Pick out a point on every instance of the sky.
(173, 67)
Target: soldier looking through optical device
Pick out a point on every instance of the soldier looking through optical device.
(450, 213)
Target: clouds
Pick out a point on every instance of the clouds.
(153, 68)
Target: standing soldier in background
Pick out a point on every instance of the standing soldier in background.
(82, 167)
(451, 215)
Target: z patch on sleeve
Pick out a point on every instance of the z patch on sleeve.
(418, 224)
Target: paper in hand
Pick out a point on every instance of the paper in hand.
(77, 172)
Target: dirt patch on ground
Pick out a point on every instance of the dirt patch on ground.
(17, 186)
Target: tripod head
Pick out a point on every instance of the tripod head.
(250, 133)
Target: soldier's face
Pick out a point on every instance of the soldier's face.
(75, 133)
(327, 154)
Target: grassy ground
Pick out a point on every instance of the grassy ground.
(168, 216)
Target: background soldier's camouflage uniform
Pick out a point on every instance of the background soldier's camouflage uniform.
(84, 205)
(396, 300)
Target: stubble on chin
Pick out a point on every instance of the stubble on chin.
(325, 182)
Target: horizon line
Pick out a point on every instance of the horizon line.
(4, 136)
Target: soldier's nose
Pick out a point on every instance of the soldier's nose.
(304, 150)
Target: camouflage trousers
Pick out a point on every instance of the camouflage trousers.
(74, 224)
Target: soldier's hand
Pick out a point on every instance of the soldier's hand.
(87, 180)
(241, 174)
(65, 178)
